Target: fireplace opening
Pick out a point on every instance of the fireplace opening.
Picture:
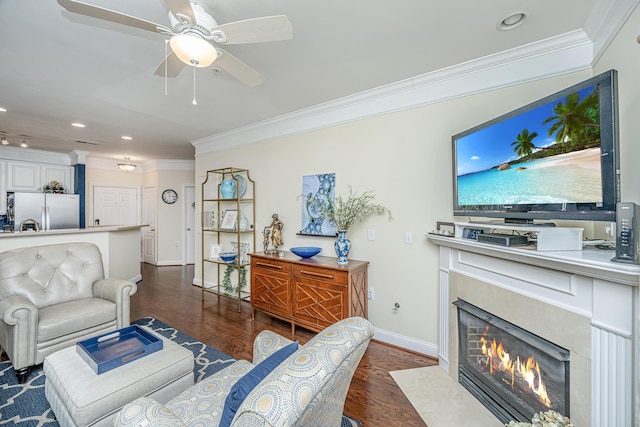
(513, 372)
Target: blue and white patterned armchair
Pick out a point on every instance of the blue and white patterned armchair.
(308, 388)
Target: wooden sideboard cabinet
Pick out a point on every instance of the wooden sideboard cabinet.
(310, 292)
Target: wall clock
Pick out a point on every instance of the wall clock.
(169, 196)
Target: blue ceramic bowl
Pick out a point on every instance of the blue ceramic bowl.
(306, 251)
(228, 256)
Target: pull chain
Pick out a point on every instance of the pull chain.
(194, 63)
(166, 61)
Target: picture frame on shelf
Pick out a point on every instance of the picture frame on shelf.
(214, 251)
(209, 220)
(243, 253)
(229, 220)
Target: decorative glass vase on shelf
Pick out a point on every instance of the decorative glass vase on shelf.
(228, 189)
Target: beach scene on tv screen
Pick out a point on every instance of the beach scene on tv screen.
(550, 154)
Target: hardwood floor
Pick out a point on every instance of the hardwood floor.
(167, 294)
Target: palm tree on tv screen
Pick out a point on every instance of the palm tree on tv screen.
(576, 123)
(523, 143)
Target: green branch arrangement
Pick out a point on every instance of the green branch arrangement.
(226, 279)
(344, 212)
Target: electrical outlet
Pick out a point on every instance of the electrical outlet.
(370, 296)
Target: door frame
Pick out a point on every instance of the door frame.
(186, 210)
(154, 203)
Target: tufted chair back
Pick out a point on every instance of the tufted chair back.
(50, 275)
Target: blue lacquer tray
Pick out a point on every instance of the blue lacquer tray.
(115, 349)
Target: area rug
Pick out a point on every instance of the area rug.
(441, 401)
(25, 405)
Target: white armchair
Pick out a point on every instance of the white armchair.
(54, 296)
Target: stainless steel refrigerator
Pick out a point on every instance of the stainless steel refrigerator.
(51, 211)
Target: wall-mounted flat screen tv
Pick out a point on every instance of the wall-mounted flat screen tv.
(556, 158)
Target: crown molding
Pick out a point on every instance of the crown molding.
(555, 56)
(182, 165)
(606, 19)
(143, 167)
(35, 156)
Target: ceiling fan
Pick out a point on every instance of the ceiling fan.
(193, 33)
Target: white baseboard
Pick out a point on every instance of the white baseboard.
(392, 338)
(405, 342)
(169, 262)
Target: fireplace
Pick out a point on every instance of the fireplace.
(513, 372)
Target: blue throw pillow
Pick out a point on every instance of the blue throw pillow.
(243, 387)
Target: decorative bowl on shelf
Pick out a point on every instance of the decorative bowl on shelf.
(228, 256)
(306, 251)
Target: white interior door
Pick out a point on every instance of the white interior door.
(149, 232)
(190, 222)
(115, 205)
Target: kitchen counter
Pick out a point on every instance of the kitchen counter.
(91, 229)
(120, 245)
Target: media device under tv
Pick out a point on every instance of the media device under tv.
(556, 158)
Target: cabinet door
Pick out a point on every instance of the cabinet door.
(23, 176)
(62, 174)
(270, 290)
(319, 303)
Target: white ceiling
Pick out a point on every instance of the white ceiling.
(57, 67)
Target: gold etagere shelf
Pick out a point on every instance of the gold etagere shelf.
(227, 220)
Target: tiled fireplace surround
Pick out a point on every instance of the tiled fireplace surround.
(579, 300)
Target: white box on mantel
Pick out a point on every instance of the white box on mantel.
(559, 239)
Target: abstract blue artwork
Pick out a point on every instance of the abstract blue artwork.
(317, 189)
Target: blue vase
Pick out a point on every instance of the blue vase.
(342, 246)
(228, 189)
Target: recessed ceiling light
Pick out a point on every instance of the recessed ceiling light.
(512, 21)
(78, 125)
(127, 138)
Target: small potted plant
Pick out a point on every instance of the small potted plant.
(54, 187)
(344, 212)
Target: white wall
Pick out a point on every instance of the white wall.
(406, 158)
(161, 174)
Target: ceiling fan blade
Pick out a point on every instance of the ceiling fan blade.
(256, 30)
(182, 7)
(238, 69)
(109, 15)
(173, 66)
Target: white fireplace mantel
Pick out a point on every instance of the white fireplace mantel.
(586, 283)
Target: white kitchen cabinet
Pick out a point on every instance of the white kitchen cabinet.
(23, 176)
(62, 174)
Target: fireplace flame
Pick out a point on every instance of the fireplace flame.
(498, 359)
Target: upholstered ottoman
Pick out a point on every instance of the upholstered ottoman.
(80, 397)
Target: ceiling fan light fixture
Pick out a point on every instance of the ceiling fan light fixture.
(193, 50)
(127, 165)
